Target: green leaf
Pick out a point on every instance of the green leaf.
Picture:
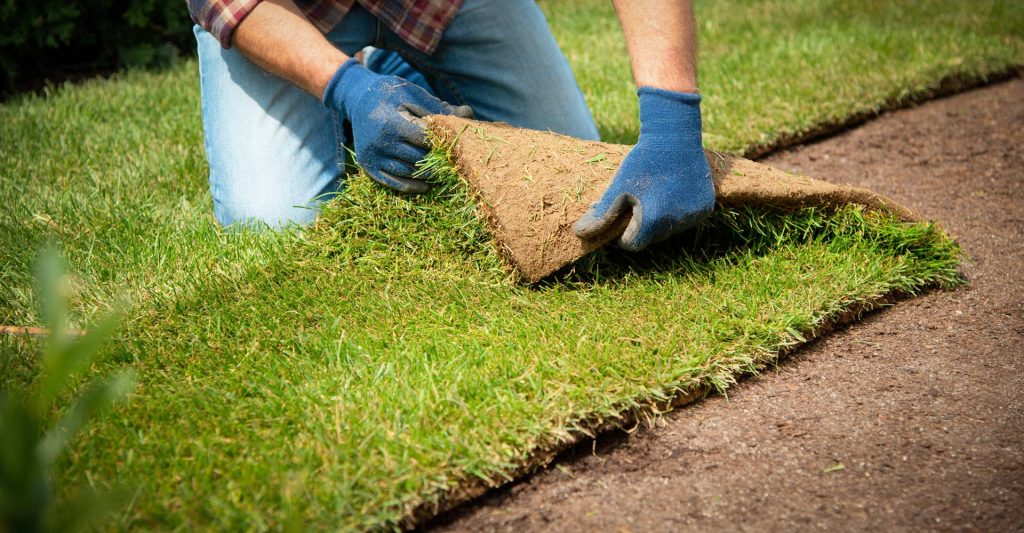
(65, 360)
(49, 293)
(98, 396)
(834, 468)
(795, 334)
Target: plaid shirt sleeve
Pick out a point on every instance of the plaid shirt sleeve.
(419, 23)
(220, 17)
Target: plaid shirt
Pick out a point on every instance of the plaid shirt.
(418, 22)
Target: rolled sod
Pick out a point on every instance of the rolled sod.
(533, 185)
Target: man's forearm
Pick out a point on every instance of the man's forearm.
(279, 38)
(661, 38)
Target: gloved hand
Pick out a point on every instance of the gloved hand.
(387, 114)
(665, 180)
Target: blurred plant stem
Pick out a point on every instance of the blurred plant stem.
(38, 422)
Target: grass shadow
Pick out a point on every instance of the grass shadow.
(731, 233)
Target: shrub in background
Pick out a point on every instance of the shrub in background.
(58, 40)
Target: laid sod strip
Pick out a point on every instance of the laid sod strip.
(350, 375)
(395, 368)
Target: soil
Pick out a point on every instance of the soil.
(533, 185)
(911, 419)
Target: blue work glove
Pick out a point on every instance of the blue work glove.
(665, 180)
(386, 113)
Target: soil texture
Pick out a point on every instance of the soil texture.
(911, 419)
(533, 185)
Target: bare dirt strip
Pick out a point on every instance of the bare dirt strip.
(910, 419)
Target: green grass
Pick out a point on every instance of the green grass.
(341, 376)
(772, 69)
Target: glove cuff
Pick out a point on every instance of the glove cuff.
(656, 93)
(347, 85)
(669, 113)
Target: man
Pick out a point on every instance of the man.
(280, 89)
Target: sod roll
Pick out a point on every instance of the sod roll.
(533, 185)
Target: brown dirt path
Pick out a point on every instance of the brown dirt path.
(922, 404)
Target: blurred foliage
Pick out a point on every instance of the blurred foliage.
(56, 40)
(38, 423)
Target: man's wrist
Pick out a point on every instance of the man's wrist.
(674, 72)
(324, 70)
(678, 85)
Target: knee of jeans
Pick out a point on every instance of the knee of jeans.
(262, 213)
(270, 204)
(272, 194)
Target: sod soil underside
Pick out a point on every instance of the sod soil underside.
(922, 405)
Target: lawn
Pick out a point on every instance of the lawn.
(343, 376)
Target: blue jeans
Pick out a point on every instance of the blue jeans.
(275, 152)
